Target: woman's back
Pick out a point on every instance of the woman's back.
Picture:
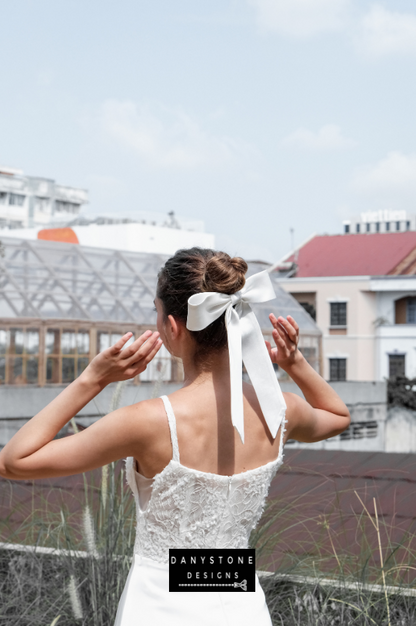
(207, 438)
(193, 508)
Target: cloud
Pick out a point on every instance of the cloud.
(301, 18)
(383, 32)
(396, 173)
(168, 138)
(328, 138)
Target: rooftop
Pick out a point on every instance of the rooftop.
(56, 280)
(373, 254)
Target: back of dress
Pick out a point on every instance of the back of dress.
(187, 508)
(193, 509)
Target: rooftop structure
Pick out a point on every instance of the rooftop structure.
(384, 254)
(144, 232)
(382, 221)
(29, 201)
(62, 303)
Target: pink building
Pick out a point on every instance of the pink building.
(361, 289)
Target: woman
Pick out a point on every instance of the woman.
(196, 484)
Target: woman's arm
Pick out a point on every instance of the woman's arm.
(324, 414)
(32, 453)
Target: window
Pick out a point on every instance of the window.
(159, 369)
(337, 369)
(338, 314)
(67, 354)
(3, 197)
(411, 311)
(396, 365)
(387, 226)
(407, 225)
(68, 207)
(357, 228)
(309, 308)
(3, 351)
(397, 225)
(42, 204)
(360, 430)
(368, 227)
(19, 356)
(16, 199)
(106, 339)
(346, 228)
(377, 227)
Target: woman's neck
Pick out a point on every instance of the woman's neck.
(215, 368)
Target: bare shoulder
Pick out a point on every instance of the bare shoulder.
(146, 418)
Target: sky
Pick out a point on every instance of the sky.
(255, 116)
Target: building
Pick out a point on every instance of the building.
(30, 201)
(38, 208)
(127, 235)
(382, 221)
(147, 232)
(361, 289)
(60, 304)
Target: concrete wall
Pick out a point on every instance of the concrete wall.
(400, 430)
(19, 404)
(367, 403)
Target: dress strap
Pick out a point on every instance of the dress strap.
(172, 427)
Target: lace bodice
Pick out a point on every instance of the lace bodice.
(193, 509)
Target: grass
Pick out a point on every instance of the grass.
(335, 569)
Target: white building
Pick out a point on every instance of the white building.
(30, 201)
(38, 208)
(381, 221)
(127, 235)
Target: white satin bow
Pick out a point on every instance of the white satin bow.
(245, 343)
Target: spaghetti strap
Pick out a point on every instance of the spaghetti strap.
(172, 427)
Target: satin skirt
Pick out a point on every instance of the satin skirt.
(147, 601)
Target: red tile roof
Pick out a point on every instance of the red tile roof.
(376, 254)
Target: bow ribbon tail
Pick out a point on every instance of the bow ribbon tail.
(232, 321)
(260, 369)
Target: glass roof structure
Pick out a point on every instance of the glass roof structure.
(54, 280)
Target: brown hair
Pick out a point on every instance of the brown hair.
(192, 271)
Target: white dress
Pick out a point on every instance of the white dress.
(186, 508)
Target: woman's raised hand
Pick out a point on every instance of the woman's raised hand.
(286, 337)
(115, 364)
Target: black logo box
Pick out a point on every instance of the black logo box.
(212, 570)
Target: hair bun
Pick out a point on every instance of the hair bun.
(224, 274)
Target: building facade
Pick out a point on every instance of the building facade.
(61, 304)
(30, 201)
(361, 289)
(382, 221)
(368, 324)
